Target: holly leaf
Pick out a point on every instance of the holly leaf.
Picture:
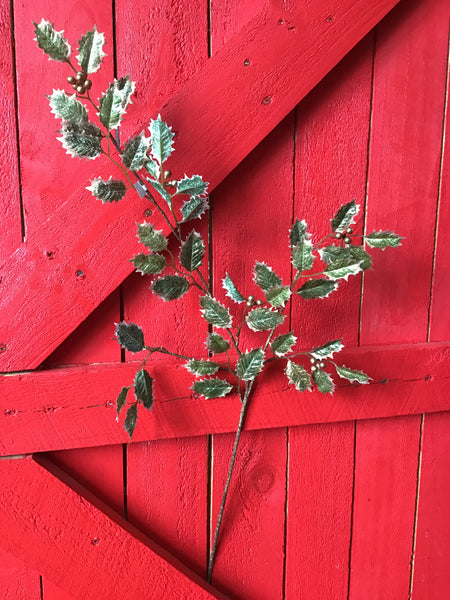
(216, 344)
(331, 254)
(263, 319)
(149, 264)
(264, 277)
(278, 296)
(114, 102)
(121, 399)
(302, 256)
(82, 139)
(283, 344)
(298, 233)
(152, 238)
(161, 190)
(143, 388)
(90, 51)
(212, 388)
(342, 269)
(383, 239)
(192, 251)
(194, 208)
(352, 375)
(152, 167)
(231, 290)
(324, 382)
(344, 217)
(328, 349)
(67, 108)
(130, 420)
(51, 41)
(193, 186)
(317, 288)
(130, 336)
(202, 367)
(170, 287)
(135, 152)
(161, 139)
(298, 376)
(215, 313)
(110, 190)
(250, 364)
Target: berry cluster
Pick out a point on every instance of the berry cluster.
(80, 83)
(251, 301)
(344, 236)
(316, 364)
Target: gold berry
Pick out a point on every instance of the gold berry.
(88, 84)
(167, 174)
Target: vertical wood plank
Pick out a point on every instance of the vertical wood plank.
(17, 582)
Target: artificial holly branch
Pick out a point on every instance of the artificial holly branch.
(317, 269)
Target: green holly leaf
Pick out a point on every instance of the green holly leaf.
(161, 190)
(121, 399)
(263, 319)
(352, 375)
(317, 288)
(135, 152)
(170, 287)
(193, 186)
(212, 388)
(302, 256)
(194, 208)
(90, 51)
(278, 296)
(342, 269)
(114, 102)
(67, 108)
(111, 190)
(264, 277)
(51, 41)
(298, 376)
(331, 254)
(82, 139)
(130, 336)
(216, 344)
(215, 313)
(250, 364)
(383, 239)
(202, 367)
(324, 382)
(298, 233)
(130, 420)
(143, 388)
(153, 168)
(344, 217)
(161, 139)
(192, 251)
(149, 264)
(283, 344)
(152, 238)
(328, 349)
(231, 290)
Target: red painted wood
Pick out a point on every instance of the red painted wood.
(84, 548)
(431, 574)
(105, 230)
(17, 581)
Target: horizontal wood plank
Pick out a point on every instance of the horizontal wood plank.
(75, 407)
(62, 267)
(82, 547)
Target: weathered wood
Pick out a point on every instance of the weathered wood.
(310, 43)
(84, 547)
(74, 407)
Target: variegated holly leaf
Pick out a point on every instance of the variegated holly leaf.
(264, 277)
(114, 102)
(202, 367)
(212, 388)
(161, 190)
(344, 217)
(263, 319)
(324, 382)
(149, 264)
(328, 349)
(51, 41)
(90, 51)
(194, 208)
(299, 376)
(331, 254)
(154, 239)
(82, 139)
(130, 336)
(342, 269)
(130, 420)
(170, 287)
(67, 108)
(192, 251)
(161, 139)
(192, 186)
(121, 399)
(317, 288)
(110, 190)
(278, 296)
(152, 167)
(302, 256)
(135, 152)
(250, 364)
(298, 233)
(231, 290)
(143, 388)
(215, 313)
(283, 344)
(383, 239)
(352, 375)
(216, 344)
